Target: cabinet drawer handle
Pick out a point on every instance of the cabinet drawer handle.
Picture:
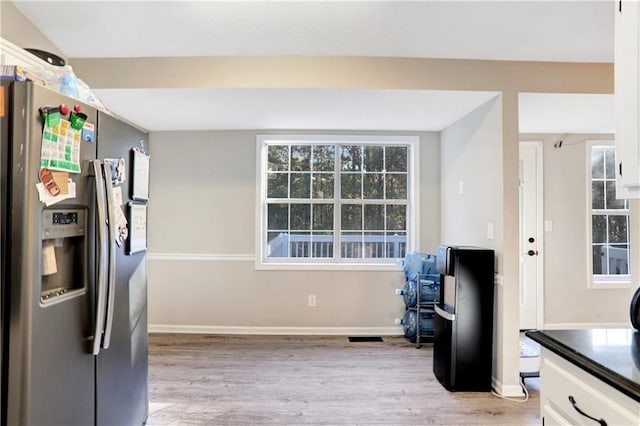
(572, 400)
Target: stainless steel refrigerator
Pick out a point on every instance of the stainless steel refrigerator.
(74, 298)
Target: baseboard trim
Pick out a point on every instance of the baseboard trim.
(278, 331)
(572, 325)
(508, 391)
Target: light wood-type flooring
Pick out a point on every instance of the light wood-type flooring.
(298, 380)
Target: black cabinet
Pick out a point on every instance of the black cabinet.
(463, 323)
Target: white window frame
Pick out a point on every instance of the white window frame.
(601, 281)
(381, 264)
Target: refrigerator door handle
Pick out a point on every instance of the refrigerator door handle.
(101, 289)
(444, 314)
(112, 255)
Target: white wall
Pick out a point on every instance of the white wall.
(202, 275)
(472, 153)
(568, 302)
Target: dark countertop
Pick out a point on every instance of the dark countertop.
(611, 355)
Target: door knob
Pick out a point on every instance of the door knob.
(532, 252)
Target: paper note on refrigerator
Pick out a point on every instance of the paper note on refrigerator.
(49, 199)
(62, 180)
(121, 220)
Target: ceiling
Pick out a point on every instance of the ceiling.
(573, 31)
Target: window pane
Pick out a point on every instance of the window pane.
(309, 182)
(599, 253)
(374, 217)
(300, 157)
(396, 244)
(322, 185)
(597, 195)
(324, 158)
(610, 163)
(278, 217)
(597, 163)
(396, 187)
(300, 185)
(374, 245)
(351, 186)
(351, 158)
(373, 158)
(351, 217)
(618, 259)
(373, 186)
(277, 185)
(277, 244)
(396, 158)
(396, 218)
(300, 244)
(351, 245)
(612, 202)
(301, 216)
(278, 158)
(322, 217)
(618, 229)
(599, 225)
(322, 244)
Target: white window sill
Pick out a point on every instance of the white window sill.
(610, 285)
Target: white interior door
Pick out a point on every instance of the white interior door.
(531, 235)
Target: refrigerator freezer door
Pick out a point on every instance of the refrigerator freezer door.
(51, 369)
(122, 369)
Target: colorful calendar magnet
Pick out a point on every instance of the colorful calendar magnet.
(88, 133)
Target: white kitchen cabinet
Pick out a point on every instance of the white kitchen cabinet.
(567, 389)
(627, 98)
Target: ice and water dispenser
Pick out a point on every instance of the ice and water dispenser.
(463, 323)
(64, 253)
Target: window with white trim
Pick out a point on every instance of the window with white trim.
(336, 199)
(609, 220)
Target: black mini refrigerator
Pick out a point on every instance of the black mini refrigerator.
(463, 323)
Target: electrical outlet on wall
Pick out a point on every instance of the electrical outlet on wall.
(311, 301)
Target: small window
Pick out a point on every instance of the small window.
(332, 199)
(609, 220)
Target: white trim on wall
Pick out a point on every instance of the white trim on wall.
(509, 391)
(279, 331)
(585, 325)
(206, 257)
(210, 257)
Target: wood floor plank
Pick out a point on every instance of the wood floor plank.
(298, 380)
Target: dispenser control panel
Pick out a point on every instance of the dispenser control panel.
(65, 218)
(61, 223)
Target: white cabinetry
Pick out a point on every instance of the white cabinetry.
(571, 396)
(627, 98)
